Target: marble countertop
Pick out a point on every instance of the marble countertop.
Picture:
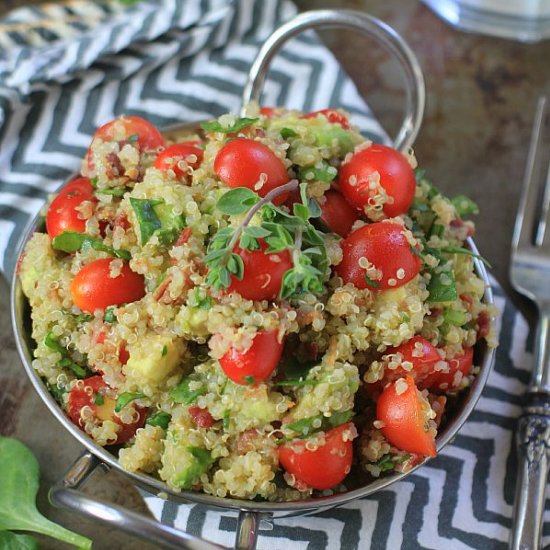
(481, 98)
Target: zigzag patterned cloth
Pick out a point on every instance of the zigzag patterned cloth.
(68, 67)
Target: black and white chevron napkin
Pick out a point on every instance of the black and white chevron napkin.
(68, 67)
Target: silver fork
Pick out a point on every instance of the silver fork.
(530, 276)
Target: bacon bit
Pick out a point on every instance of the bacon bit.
(245, 442)
(19, 263)
(467, 299)
(436, 312)
(312, 351)
(103, 226)
(184, 237)
(201, 417)
(158, 295)
(458, 222)
(332, 352)
(114, 168)
(98, 336)
(484, 324)
(122, 221)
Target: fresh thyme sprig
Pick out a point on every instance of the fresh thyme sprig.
(280, 230)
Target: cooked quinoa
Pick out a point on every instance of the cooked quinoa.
(160, 394)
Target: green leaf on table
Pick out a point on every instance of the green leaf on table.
(19, 479)
(239, 124)
(72, 241)
(11, 541)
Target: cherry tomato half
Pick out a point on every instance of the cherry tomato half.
(337, 213)
(404, 413)
(418, 351)
(448, 381)
(332, 115)
(263, 273)
(93, 287)
(255, 364)
(177, 157)
(244, 162)
(324, 467)
(86, 395)
(396, 177)
(385, 246)
(62, 213)
(130, 128)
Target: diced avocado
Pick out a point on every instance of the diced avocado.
(171, 225)
(182, 463)
(259, 410)
(153, 358)
(326, 134)
(193, 320)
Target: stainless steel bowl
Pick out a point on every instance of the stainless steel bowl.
(66, 494)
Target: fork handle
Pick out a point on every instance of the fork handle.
(532, 443)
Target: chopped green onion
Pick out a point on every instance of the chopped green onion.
(127, 397)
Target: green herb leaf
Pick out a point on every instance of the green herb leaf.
(182, 393)
(19, 479)
(239, 124)
(338, 418)
(325, 173)
(66, 362)
(164, 351)
(249, 380)
(160, 419)
(288, 133)
(370, 282)
(11, 541)
(127, 397)
(53, 343)
(450, 249)
(237, 201)
(71, 241)
(99, 399)
(442, 287)
(464, 205)
(109, 316)
(203, 301)
(226, 420)
(57, 393)
(113, 191)
(306, 426)
(146, 217)
(419, 174)
(83, 318)
(296, 382)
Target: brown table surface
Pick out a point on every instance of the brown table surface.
(481, 98)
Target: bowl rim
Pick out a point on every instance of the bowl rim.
(19, 309)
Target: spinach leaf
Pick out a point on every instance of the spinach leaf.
(146, 216)
(71, 241)
(19, 477)
(182, 393)
(127, 397)
(239, 124)
(11, 541)
(160, 419)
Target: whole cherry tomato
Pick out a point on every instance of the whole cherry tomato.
(93, 287)
(176, 158)
(255, 364)
(396, 177)
(385, 246)
(92, 394)
(133, 129)
(267, 111)
(244, 162)
(448, 381)
(332, 115)
(327, 465)
(404, 413)
(263, 273)
(337, 213)
(62, 213)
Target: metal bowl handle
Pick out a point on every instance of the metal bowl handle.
(65, 494)
(365, 24)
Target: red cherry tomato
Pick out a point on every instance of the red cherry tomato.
(403, 413)
(201, 417)
(267, 111)
(87, 396)
(324, 467)
(175, 157)
(243, 162)
(255, 364)
(418, 351)
(332, 115)
(448, 381)
(385, 246)
(93, 287)
(396, 177)
(63, 214)
(131, 127)
(263, 273)
(337, 213)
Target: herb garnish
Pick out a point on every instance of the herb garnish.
(239, 124)
(160, 419)
(66, 362)
(182, 393)
(127, 397)
(280, 230)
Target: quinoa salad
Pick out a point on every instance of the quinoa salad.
(256, 310)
